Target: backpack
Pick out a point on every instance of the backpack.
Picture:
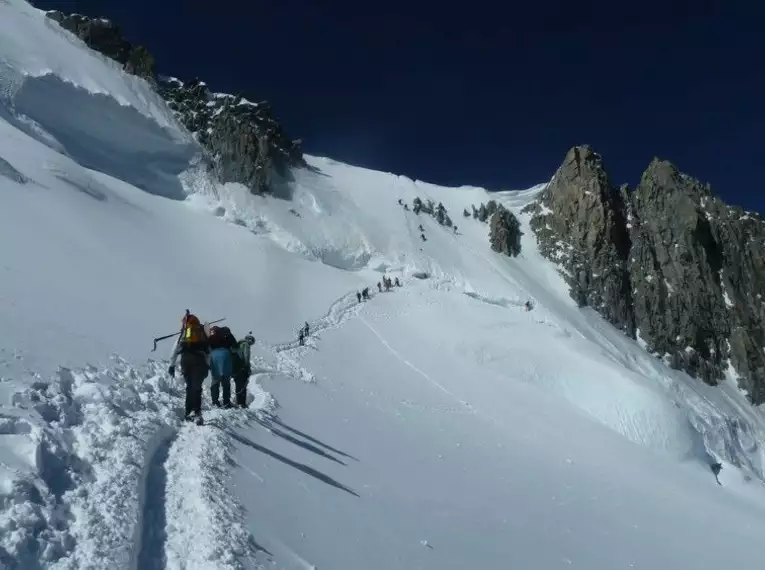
(193, 331)
(242, 355)
(243, 350)
(221, 337)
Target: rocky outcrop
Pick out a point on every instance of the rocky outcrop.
(442, 217)
(668, 263)
(675, 269)
(243, 141)
(485, 211)
(505, 232)
(246, 144)
(699, 269)
(105, 37)
(504, 228)
(580, 223)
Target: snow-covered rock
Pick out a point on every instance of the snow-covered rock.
(243, 141)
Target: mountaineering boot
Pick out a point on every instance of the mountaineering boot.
(195, 417)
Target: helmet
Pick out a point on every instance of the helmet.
(214, 330)
(249, 339)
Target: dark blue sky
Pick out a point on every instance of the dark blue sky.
(485, 93)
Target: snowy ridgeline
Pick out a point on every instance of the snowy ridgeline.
(436, 425)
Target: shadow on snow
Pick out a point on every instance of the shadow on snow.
(299, 466)
(280, 423)
(296, 441)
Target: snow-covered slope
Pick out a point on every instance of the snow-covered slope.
(438, 425)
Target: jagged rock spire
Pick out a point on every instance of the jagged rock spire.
(668, 262)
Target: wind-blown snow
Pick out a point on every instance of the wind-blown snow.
(438, 425)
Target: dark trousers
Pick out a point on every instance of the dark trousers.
(215, 386)
(194, 369)
(241, 379)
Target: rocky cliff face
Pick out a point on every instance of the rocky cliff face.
(243, 140)
(505, 232)
(104, 36)
(667, 262)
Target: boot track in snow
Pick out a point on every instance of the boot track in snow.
(150, 530)
(120, 481)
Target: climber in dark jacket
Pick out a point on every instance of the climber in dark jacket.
(193, 348)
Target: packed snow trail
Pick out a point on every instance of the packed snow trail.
(204, 525)
(119, 480)
(150, 536)
(340, 311)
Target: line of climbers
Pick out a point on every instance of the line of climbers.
(303, 333)
(213, 350)
(387, 284)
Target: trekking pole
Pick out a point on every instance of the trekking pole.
(160, 338)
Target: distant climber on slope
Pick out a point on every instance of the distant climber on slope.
(306, 330)
(222, 343)
(193, 348)
(358, 295)
(301, 337)
(398, 283)
(242, 369)
(379, 287)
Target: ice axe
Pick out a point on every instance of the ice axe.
(159, 338)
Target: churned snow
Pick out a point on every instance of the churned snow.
(438, 425)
